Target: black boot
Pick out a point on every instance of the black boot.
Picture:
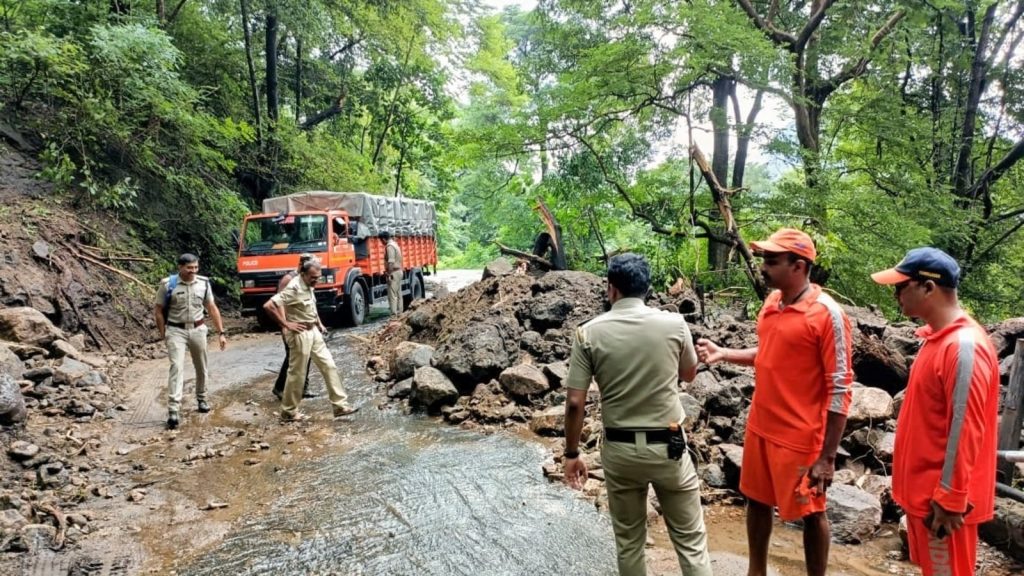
(203, 406)
(172, 420)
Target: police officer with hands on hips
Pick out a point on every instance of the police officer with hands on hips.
(179, 313)
(637, 355)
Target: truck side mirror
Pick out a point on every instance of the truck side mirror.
(236, 238)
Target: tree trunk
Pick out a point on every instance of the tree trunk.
(389, 118)
(271, 59)
(252, 71)
(743, 132)
(979, 69)
(161, 12)
(723, 86)
(298, 80)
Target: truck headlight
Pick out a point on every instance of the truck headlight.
(328, 279)
(248, 283)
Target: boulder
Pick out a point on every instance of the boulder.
(549, 422)
(523, 380)
(725, 400)
(70, 371)
(869, 407)
(10, 364)
(431, 389)
(556, 372)
(548, 310)
(1006, 529)
(28, 326)
(853, 513)
(12, 403)
(497, 268)
(877, 364)
(881, 488)
(713, 476)
(400, 389)
(407, 357)
(732, 463)
(691, 411)
(701, 386)
(1005, 334)
(61, 348)
(479, 351)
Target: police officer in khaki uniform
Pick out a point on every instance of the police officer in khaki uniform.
(294, 308)
(184, 327)
(637, 355)
(282, 374)
(393, 265)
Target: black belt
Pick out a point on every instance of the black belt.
(629, 436)
(181, 325)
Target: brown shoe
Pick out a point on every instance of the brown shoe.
(297, 417)
(345, 411)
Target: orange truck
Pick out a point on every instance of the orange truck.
(343, 231)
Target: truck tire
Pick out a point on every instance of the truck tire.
(415, 291)
(356, 306)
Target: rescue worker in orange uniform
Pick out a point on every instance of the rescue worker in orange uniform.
(803, 378)
(944, 463)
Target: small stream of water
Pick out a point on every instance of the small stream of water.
(414, 496)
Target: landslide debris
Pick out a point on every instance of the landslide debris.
(494, 355)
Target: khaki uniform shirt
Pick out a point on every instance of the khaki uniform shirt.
(188, 299)
(298, 301)
(634, 353)
(393, 257)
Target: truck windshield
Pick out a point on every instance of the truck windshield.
(283, 235)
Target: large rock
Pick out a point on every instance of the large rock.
(725, 400)
(1005, 334)
(691, 410)
(732, 463)
(701, 386)
(431, 389)
(524, 380)
(479, 351)
(10, 364)
(878, 365)
(869, 407)
(854, 514)
(549, 422)
(497, 268)
(1006, 530)
(12, 403)
(407, 357)
(548, 310)
(70, 371)
(28, 326)
(556, 372)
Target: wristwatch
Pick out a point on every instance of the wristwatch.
(571, 454)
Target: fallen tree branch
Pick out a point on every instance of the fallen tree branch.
(95, 261)
(62, 523)
(545, 264)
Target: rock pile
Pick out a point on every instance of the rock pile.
(48, 386)
(495, 354)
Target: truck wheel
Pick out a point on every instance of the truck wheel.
(415, 291)
(356, 307)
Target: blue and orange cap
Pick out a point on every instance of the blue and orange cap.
(922, 264)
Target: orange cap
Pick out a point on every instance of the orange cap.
(788, 240)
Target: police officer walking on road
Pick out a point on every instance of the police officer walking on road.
(294, 308)
(393, 265)
(180, 302)
(282, 374)
(637, 355)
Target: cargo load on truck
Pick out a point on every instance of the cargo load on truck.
(342, 229)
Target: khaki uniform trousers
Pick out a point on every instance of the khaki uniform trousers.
(178, 340)
(395, 292)
(629, 469)
(302, 348)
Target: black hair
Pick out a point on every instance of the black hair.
(187, 258)
(794, 258)
(630, 274)
(385, 234)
